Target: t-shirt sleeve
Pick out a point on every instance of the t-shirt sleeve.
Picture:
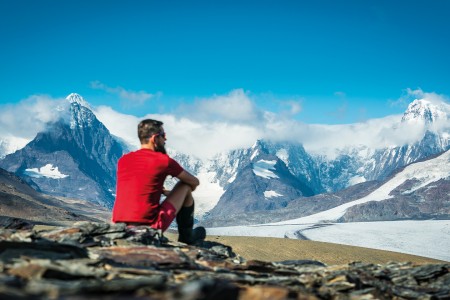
(174, 169)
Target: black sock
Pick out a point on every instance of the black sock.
(185, 217)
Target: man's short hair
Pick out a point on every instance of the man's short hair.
(147, 128)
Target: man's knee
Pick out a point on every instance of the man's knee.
(184, 186)
(181, 195)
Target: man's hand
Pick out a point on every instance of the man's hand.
(166, 192)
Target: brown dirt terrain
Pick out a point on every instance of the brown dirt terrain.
(278, 249)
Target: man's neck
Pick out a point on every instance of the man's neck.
(148, 146)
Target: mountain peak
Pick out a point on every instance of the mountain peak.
(81, 114)
(257, 149)
(76, 98)
(425, 111)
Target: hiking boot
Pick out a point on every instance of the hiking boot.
(191, 236)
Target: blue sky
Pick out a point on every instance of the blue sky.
(337, 61)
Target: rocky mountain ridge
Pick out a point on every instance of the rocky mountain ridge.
(20, 202)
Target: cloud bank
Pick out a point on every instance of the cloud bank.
(19, 123)
(231, 121)
(224, 122)
(236, 107)
(30, 116)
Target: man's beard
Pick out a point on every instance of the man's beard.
(160, 148)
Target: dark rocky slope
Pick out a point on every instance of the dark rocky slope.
(19, 201)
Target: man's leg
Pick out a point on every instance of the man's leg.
(181, 198)
(180, 195)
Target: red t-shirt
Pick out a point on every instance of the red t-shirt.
(140, 179)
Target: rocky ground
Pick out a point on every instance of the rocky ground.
(98, 260)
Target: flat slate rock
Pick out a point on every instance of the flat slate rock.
(113, 261)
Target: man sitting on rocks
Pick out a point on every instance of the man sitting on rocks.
(140, 184)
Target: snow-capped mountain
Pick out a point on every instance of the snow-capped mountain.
(264, 183)
(74, 157)
(77, 99)
(419, 191)
(421, 110)
(318, 172)
(359, 164)
(413, 178)
(270, 175)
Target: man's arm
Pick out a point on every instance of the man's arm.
(189, 179)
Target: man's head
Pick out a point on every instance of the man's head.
(151, 132)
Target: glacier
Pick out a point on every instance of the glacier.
(428, 238)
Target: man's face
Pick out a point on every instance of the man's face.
(160, 141)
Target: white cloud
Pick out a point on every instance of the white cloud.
(132, 98)
(209, 125)
(200, 138)
(432, 97)
(121, 125)
(205, 139)
(25, 119)
(409, 95)
(236, 107)
(294, 107)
